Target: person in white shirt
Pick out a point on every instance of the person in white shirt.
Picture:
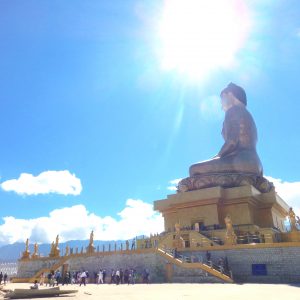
(100, 276)
(83, 278)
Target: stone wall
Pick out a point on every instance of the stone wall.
(138, 261)
(182, 275)
(282, 263)
(28, 268)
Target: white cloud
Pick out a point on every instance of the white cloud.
(288, 191)
(59, 182)
(174, 183)
(76, 222)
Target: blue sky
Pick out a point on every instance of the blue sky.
(82, 89)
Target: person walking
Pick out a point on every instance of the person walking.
(104, 275)
(133, 245)
(117, 277)
(121, 276)
(208, 256)
(83, 278)
(100, 277)
(58, 277)
(112, 277)
(126, 276)
(42, 279)
(5, 277)
(146, 276)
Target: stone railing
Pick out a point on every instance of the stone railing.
(9, 268)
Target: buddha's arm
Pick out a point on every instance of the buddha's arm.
(231, 136)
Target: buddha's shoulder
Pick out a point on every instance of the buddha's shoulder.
(237, 111)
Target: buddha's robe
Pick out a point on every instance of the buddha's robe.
(238, 154)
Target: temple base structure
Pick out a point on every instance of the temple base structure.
(206, 209)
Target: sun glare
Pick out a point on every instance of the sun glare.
(199, 36)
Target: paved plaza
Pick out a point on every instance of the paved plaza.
(182, 291)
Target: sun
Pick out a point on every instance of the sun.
(199, 36)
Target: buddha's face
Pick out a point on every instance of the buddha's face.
(227, 101)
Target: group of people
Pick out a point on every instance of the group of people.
(222, 264)
(116, 276)
(120, 276)
(56, 278)
(3, 277)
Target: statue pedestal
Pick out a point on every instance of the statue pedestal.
(90, 249)
(230, 239)
(294, 236)
(208, 207)
(25, 255)
(54, 253)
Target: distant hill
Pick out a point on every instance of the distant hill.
(12, 252)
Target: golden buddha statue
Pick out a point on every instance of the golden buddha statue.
(237, 163)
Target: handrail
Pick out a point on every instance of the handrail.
(187, 259)
(181, 260)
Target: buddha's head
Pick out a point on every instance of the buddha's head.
(233, 95)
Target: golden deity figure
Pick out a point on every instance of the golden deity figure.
(27, 245)
(178, 242)
(293, 219)
(230, 236)
(92, 238)
(91, 248)
(67, 250)
(237, 163)
(55, 252)
(57, 241)
(26, 253)
(35, 253)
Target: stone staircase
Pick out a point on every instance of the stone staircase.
(38, 274)
(201, 239)
(194, 269)
(56, 266)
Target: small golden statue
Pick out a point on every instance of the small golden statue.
(294, 220)
(178, 242)
(67, 250)
(57, 241)
(27, 245)
(55, 252)
(230, 236)
(91, 248)
(35, 253)
(177, 227)
(92, 238)
(26, 253)
(52, 247)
